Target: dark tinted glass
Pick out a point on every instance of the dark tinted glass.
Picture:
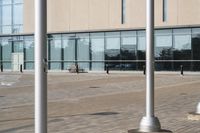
(182, 48)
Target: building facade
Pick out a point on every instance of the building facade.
(99, 33)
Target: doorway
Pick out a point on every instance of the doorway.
(17, 61)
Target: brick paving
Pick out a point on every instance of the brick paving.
(98, 103)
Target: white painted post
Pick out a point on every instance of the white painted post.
(198, 108)
(40, 66)
(150, 123)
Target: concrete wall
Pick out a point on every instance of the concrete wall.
(88, 15)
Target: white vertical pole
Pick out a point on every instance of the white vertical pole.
(198, 108)
(150, 59)
(149, 123)
(40, 66)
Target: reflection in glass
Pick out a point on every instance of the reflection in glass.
(6, 53)
(5, 2)
(97, 51)
(141, 53)
(28, 53)
(112, 50)
(17, 44)
(182, 48)
(83, 51)
(7, 15)
(6, 19)
(55, 52)
(69, 51)
(196, 49)
(17, 18)
(163, 49)
(128, 50)
(11, 16)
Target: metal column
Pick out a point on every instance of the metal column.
(40, 66)
(150, 122)
(198, 108)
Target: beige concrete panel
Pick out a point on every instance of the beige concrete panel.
(115, 14)
(158, 12)
(136, 13)
(28, 21)
(171, 13)
(79, 15)
(98, 14)
(188, 12)
(58, 15)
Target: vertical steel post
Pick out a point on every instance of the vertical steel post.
(150, 59)
(198, 108)
(150, 122)
(40, 66)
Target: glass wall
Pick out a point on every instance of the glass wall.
(121, 50)
(182, 49)
(68, 50)
(163, 49)
(11, 16)
(28, 53)
(112, 50)
(196, 49)
(128, 50)
(17, 43)
(141, 49)
(83, 54)
(54, 47)
(6, 44)
(97, 51)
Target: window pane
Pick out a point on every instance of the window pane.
(128, 50)
(17, 42)
(69, 51)
(29, 52)
(7, 15)
(182, 42)
(196, 49)
(6, 53)
(141, 49)
(55, 53)
(6, 1)
(18, 1)
(112, 51)
(182, 48)
(196, 31)
(6, 29)
(17, 28)
(83, 51)
(18, 14)
(163, 49)
(97, 49)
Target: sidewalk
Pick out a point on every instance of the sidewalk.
(98, 103)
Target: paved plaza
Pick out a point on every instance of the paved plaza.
(98, 103)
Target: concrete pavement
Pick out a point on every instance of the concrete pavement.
(98, 103)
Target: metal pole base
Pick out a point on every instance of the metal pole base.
(198, 108)
(195, 116)
(138, 131)
(149, 125)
